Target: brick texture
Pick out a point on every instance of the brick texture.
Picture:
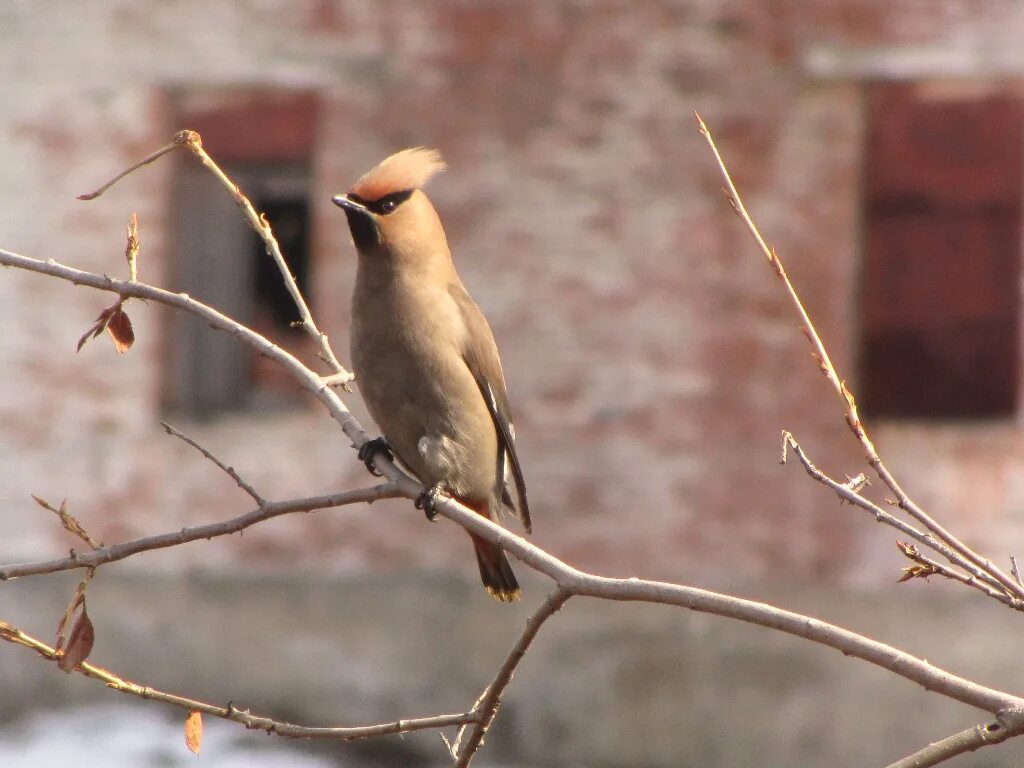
(652, 359)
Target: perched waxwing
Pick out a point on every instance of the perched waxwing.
(425, 358)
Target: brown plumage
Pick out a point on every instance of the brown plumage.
(424, 356)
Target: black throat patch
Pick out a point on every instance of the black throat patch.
(364, 231)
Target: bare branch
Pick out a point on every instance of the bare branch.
(179, 140)
(268, 510)
(978, 579)
(487, 706)
(1009, 585)
(192, 141)
(182, 301)
(983, 735)
(70, 523)
(230, 712)
(229, 471)
(577, 582)
(261, 227)
(926, 566)
(341, 379)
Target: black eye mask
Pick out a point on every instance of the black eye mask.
(384, 205)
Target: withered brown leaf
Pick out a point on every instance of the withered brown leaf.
(79, 643)
(98, 327)
(120, 329)
(115, 321)
(194, 731)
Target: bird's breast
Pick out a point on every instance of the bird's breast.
(407, 344)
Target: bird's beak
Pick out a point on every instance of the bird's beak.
(343, 201)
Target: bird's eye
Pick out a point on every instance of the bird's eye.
(388, 204)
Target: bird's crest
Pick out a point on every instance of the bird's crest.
(405, 170)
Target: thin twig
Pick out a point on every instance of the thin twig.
(229, 471)
(853, 419)
(262, 228)
(309, 379)
(131, 248)
(192, 141)
(983, 735)
(179, 140)
(230, 712)
(978, 578)
(269, 509)
(487, 706)
(69, 521)
(341, 379)
(926, 566)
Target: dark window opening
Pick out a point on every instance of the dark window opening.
(941, 275)
(282, 195)
(289, 220)
(263, 140)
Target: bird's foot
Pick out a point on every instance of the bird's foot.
(371, 448)
(427, 500)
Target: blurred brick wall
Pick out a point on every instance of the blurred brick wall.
(651, 357)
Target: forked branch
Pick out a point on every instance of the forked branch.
(193, 142)
(968, 740)
(1004, 582)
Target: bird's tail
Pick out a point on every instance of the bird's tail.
(495, 571)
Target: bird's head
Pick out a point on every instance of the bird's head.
(387, 211)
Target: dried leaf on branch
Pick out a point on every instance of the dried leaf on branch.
(114, 321)
(79, 643)
(194, 731)
(77, 600)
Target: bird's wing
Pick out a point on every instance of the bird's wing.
(480, 354)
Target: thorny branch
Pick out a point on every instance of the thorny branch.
(981, 574)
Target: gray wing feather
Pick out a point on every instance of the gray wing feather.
(481, 357)
(506, 446)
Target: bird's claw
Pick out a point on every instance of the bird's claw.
(371, 448)
(427, 500)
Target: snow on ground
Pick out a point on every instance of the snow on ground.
(124, 736)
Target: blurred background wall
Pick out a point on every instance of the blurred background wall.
(650, 354)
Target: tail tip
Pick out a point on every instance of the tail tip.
(505, 595)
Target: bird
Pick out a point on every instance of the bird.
(425, 359)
